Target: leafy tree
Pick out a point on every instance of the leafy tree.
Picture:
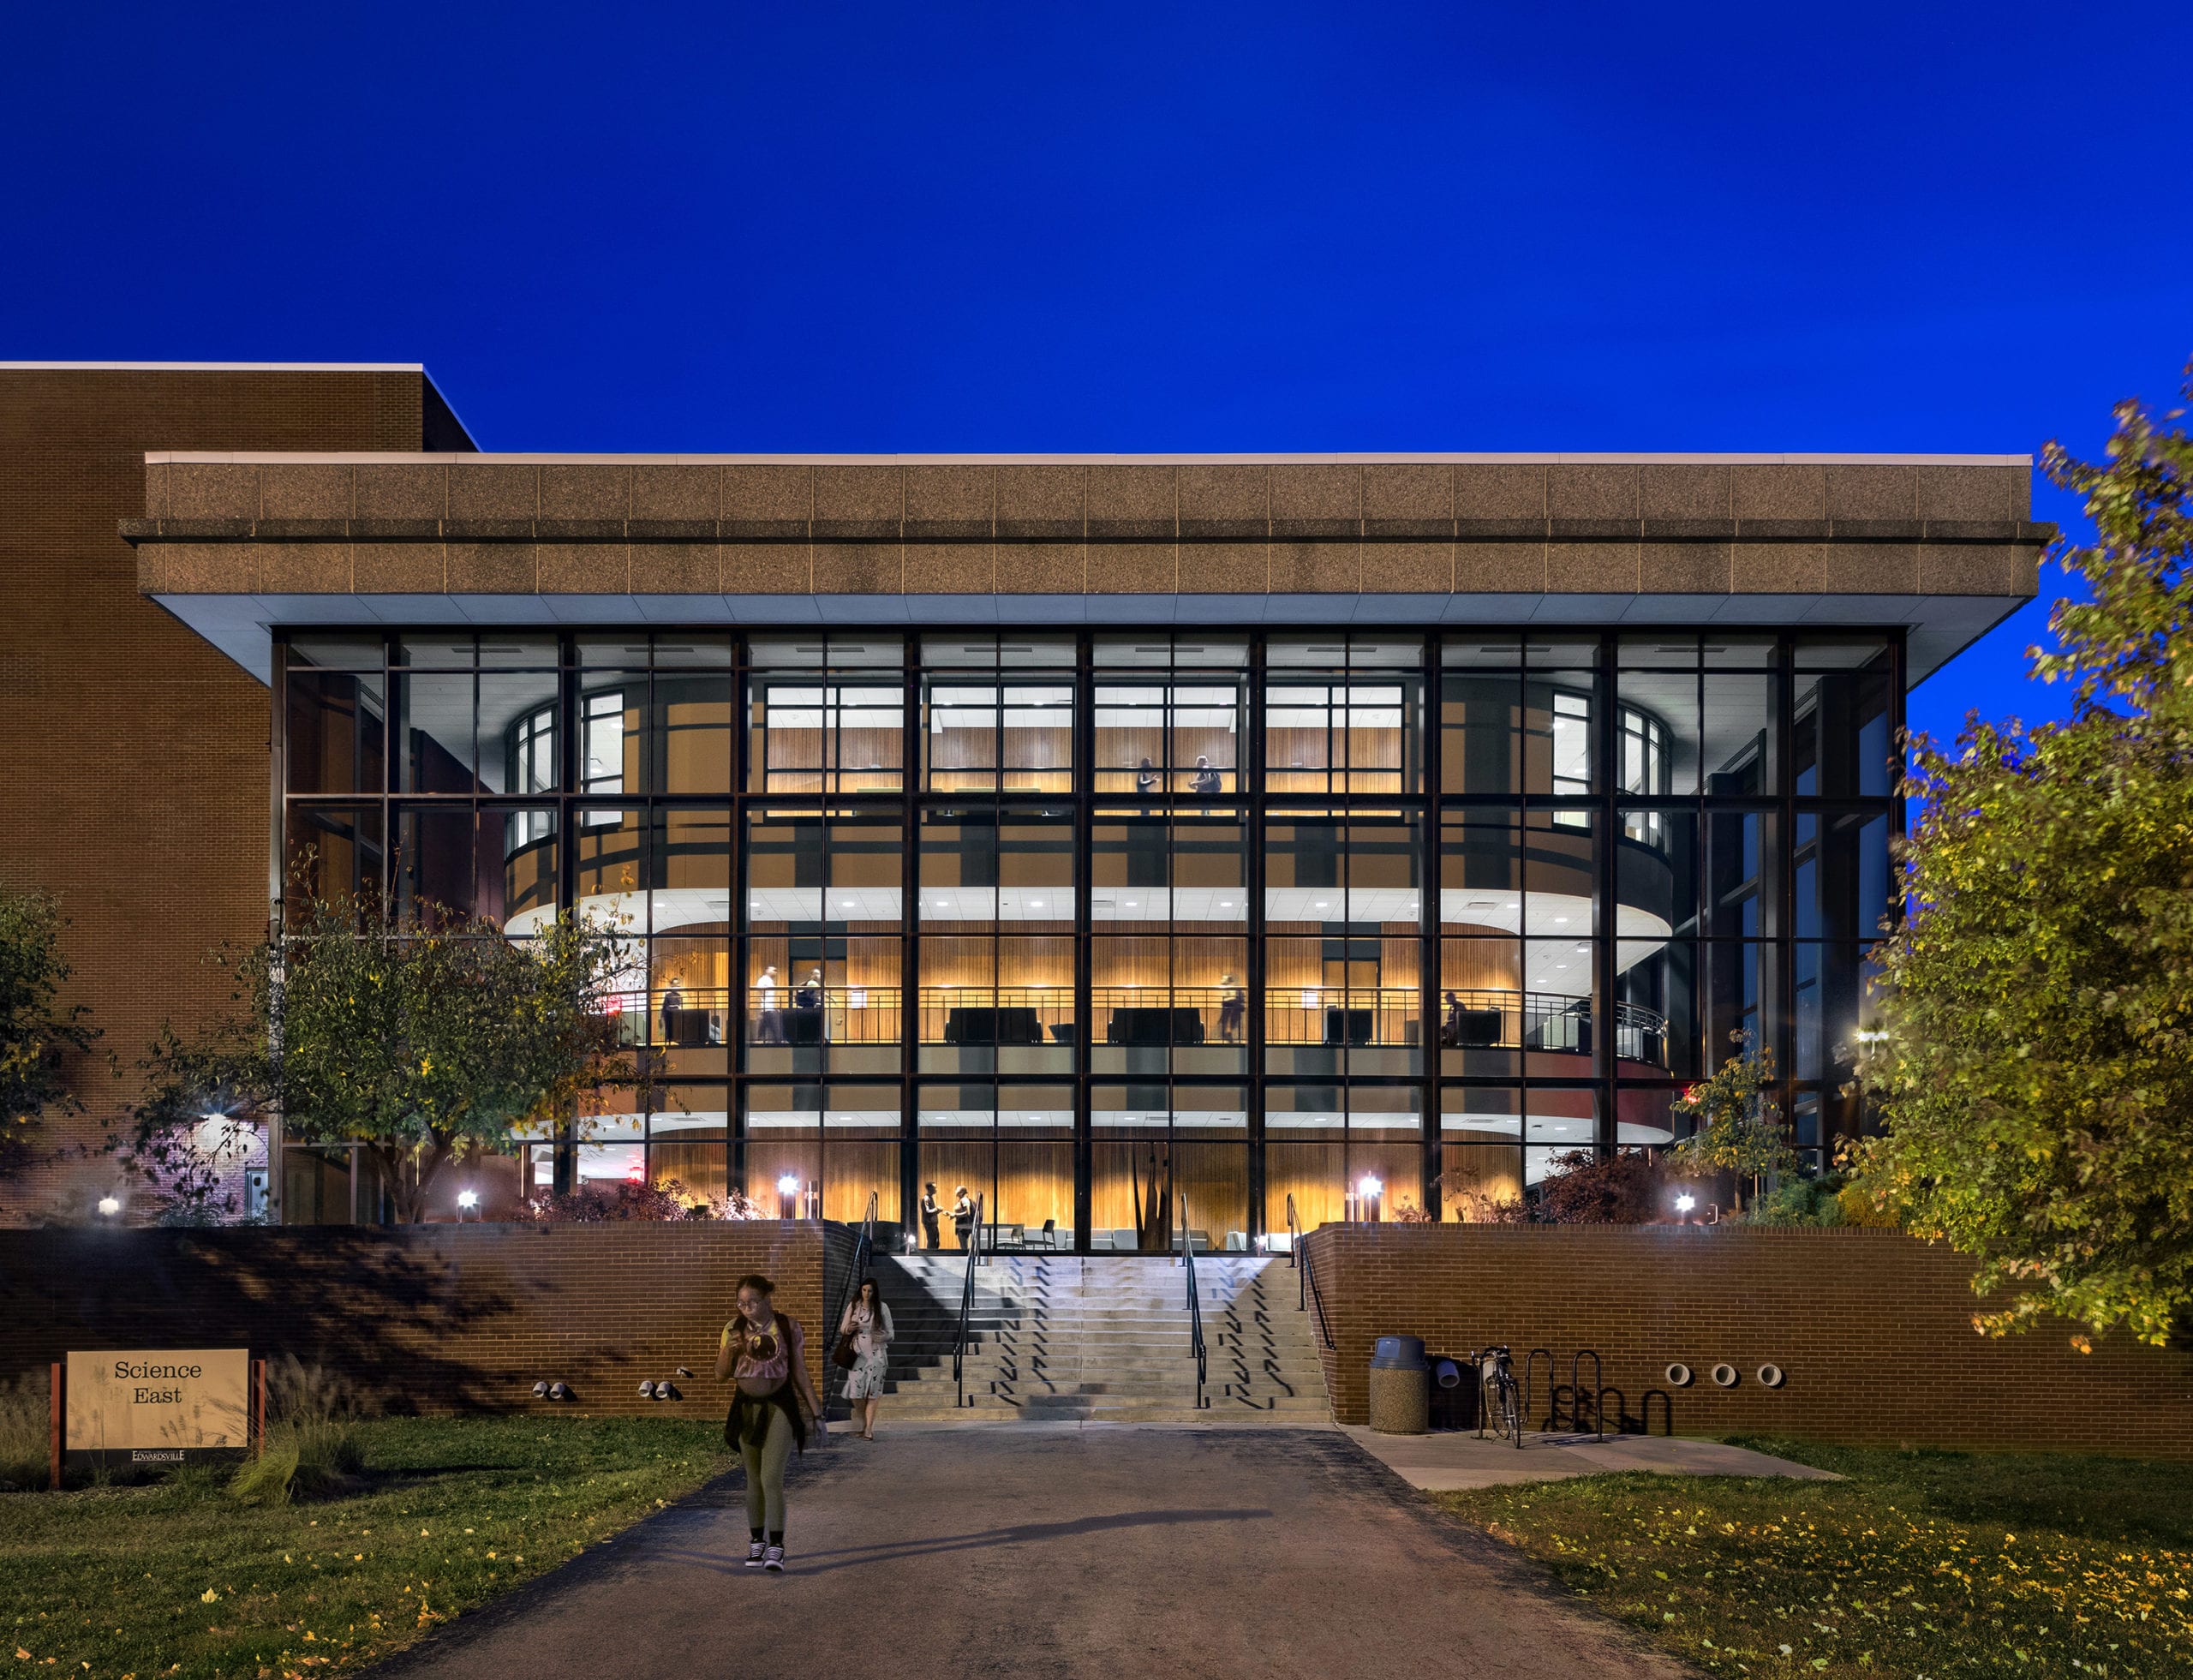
(1737, 1122)
(425, 1041)
(35, 1032)
(2034, 1067)
(1624, 1189)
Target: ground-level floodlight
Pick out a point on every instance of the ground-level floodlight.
(109, 1206)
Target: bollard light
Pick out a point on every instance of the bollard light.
(787, 1195)
(468, 1199)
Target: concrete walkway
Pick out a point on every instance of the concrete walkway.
(1098, 1551)
(1444, 1463)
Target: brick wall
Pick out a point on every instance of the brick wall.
(1873, 1329)
(430, 1319)
(135, 755)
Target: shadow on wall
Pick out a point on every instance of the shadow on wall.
(424, 1318)
(396, 1317)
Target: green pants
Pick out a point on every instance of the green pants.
(765, 1474)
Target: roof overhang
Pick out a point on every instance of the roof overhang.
(1941, 546)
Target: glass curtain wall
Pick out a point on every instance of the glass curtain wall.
(1304, 926)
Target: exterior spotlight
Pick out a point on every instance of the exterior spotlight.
(1685, 1202)
(109, 1206)
(468, 1198)
(646, 1389)
(540, 1390)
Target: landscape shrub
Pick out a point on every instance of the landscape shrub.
(314, 1449)
(25, 1432)
(602, 1202)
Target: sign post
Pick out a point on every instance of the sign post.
(155, 1406)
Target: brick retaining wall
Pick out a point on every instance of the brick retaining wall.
(427, 1319)
(1874, 1329)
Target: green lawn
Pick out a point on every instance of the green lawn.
(1927, 1565)
(178, 1579)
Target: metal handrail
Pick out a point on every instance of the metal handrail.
(1312, 1296)
(1294, 1246)
(967, 1302)
(1196, 1347)
(864, 1252)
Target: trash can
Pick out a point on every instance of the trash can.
(1401, 1386)
(1453, 1393)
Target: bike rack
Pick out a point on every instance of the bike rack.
(1576, 1392)
(1667, 1411)
(1530, 1364)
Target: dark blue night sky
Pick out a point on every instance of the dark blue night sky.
(1054, 227)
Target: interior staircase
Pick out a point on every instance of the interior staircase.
(1106, 1338)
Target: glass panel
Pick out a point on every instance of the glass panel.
(1309, 1174)
(610, 713)
(1842, 874)
(688, 743)
(336, 650)
(517, 733)
(1656, 732)
(335, 732)
(784, 1148)
(518, 868)
(1742, 983)
(1738, 742)
(507, 650)
(441, 650)
(824, 734)
(1480, 719)
(332, 851)
(1559, 730)
(434, 859)
(1481, 1184)
(1743, 874)
(1845, 745)
(434, 728)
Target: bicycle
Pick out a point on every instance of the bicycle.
(1501, 1405)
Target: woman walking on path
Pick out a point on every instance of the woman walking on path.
(931, 1237)
(963, 1216)
(868, 1321)
(765, 1352)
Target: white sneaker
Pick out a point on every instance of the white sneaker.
(773, 1559)
(754, 1550)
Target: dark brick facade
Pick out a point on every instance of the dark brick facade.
(135, 755)
(1873, 1329)
(427, 1319)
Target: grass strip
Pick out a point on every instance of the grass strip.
(1919, 1566)
(180, 1578)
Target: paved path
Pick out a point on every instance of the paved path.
(1446, 1462)
(1110, 1551)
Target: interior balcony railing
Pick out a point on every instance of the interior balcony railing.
(1476, 1017)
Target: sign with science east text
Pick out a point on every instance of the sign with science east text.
(151, 1407)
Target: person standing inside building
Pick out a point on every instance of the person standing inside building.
(672, 1001)
(1206, 779)
(768, 1024)
(1232, 1006)
(963, 1216)
(932, 1214)
(764, 1353)
(1147, 782)
(868, 1321)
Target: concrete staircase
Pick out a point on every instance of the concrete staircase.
(1105, 1338)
